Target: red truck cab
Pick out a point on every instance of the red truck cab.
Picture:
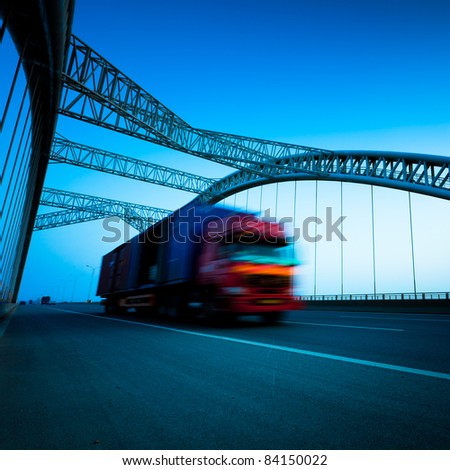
(248, 266)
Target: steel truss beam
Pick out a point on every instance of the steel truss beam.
(65, 151)
(65, 217)
(70, 217)
(424, 174)
(138, 216)
(97, 92)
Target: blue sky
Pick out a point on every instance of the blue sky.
(335, 75)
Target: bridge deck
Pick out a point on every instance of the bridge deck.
(73, 378)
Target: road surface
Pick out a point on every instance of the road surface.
(73, 378)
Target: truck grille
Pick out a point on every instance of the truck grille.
(268, 282)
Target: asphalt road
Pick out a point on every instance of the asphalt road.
(73, 378)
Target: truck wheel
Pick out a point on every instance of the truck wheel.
(216, 316)
(174, 306)
(209, 308)
(111, 308)
(161, 308)
(273, 317)
(183, 310)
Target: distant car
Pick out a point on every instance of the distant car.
(22, 302)
(30, 302)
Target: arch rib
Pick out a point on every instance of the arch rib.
(423, 174)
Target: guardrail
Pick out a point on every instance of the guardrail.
(407, 296)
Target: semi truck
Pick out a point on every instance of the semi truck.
(202, 260)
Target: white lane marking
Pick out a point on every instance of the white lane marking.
(362, 362)
(397, 318)
(345, 326)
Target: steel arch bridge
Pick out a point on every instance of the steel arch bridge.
(64, 75)
(95, 91)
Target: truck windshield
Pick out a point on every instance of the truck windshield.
(260, 253)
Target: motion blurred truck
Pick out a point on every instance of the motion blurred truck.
(205, 260)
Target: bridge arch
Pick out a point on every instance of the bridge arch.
(423, 174)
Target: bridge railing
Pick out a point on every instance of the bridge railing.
(385, 296)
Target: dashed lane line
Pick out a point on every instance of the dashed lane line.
(398, 318)
(345, 326)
